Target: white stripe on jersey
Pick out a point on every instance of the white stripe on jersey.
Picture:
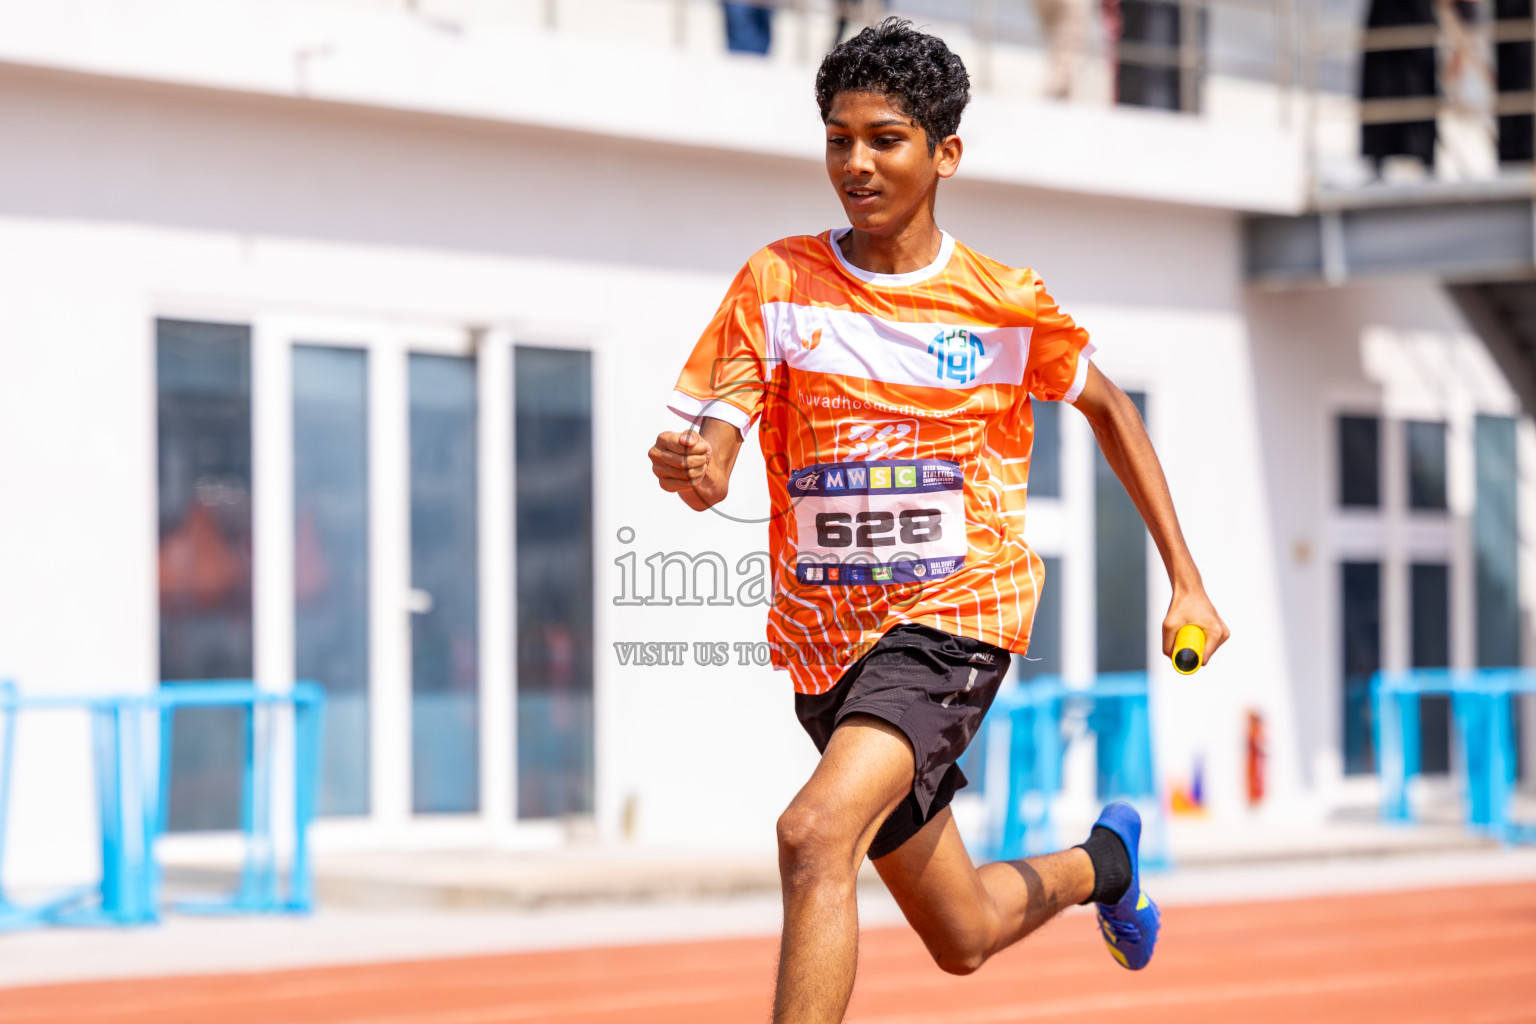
(694, 409)
(820, 339)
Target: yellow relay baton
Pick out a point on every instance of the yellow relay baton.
(1188, 650)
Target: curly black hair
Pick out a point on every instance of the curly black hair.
(915, 71)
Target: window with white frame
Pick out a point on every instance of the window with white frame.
(1394, 551)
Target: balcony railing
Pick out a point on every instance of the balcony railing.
(1298, 65)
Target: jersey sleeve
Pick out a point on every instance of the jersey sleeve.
(1058, 352)
(726, 376)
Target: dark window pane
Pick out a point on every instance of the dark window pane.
(445, 625)
(1496, 538)
(1120, 570)
(1151, 28)
(1512, 63)
(1430, 616)
(1045, 458)
(1362, 657)
(554, 582)
(203, 391)
(1044, 657)
(330, 570)
(1426, 465)
(1359, 461)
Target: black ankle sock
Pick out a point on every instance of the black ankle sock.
(1111, 866)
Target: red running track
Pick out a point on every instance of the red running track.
(1451, 956)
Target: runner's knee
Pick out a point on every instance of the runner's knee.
(962, 938)
(812, 845)
(961, 954)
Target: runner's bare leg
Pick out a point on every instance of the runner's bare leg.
(824, 834)
(963, 915)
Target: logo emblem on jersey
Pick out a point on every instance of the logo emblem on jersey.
(808, 482)
(812, 341)
(957, 351)
(937, 473)
(864, 440)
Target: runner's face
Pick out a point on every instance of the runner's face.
(878, 161)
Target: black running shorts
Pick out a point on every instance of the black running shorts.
(933, 686)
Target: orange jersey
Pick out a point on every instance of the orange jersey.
(894, 416)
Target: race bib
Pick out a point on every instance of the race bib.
(878, 522)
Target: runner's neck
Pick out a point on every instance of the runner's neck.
(914, 248)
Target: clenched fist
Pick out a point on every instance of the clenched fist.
(696, 464)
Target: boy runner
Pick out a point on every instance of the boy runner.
(889, 370)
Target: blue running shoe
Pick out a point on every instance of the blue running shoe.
(1130, 926)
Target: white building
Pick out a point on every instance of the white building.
(333, 335)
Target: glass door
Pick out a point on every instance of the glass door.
(330, 560)
(444, 599)
(204, 446)
(554, 482)
(383, 564)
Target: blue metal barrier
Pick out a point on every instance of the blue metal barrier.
(1036, 715)
(1482, 710)
(131, 740)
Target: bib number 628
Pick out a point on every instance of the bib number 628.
(875, 529)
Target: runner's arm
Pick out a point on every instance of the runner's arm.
(696, 465)
(1123, 438)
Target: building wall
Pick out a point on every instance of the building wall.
(1400, 351)
(122, 202)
